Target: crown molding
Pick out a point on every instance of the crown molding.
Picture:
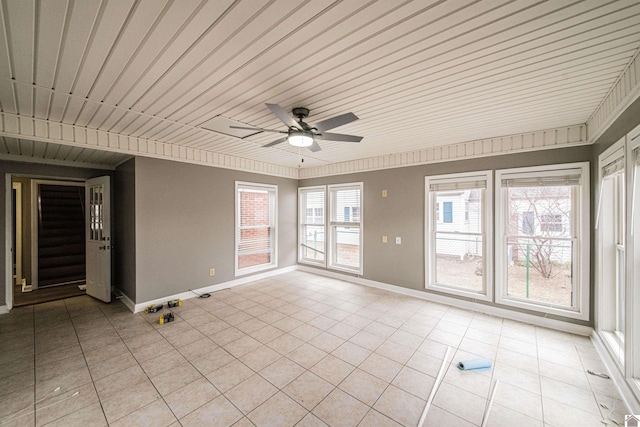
(16, 126)
(622, 94)
(518, 143)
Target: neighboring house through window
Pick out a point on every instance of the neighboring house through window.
(311, 232)
(458, 247)
(345, 227)
(256, 219)
(542, 242)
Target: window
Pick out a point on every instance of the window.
(610, 234)
(528, 222)
(542, 243)
(632, 271)
(345, 227)
(551, 223)
(311, 234)
(447, 211)
(458, 248)
(256, 219)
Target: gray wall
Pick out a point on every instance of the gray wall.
(124, 233)
(35, 171)
(184, 225)
(401, 213)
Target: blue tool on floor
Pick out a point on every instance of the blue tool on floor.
(482, 363)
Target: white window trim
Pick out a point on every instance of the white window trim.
(605, 290)
(487, 293)
(274, 257)
(581, 265)
(330, 229)
(302, 215)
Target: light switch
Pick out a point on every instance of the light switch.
(384, 193)
(384, 239)
(398, 240)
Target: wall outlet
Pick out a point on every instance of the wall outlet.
(398, 240)
(384, 239)
(212, 272)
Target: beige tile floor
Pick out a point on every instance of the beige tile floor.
(297, 349)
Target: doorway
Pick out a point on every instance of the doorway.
(48, 240)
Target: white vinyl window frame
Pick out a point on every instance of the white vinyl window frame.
(631, 370)
(272, 190)
(580, 232)
(333, 224)
(303, 224)
(610, 249)
(433, 217)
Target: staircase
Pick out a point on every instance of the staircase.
(61, 235)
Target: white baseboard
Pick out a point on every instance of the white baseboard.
(208, 289)
(465, 304)
(4, 309)
(626, 390)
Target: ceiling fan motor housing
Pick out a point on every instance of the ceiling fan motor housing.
(300, 112)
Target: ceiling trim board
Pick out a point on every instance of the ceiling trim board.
(55, 162)
(15, 126)
(531, 141)
(622, 94)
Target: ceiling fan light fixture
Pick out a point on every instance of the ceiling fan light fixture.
(300, 138)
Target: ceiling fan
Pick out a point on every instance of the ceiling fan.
(301, 134)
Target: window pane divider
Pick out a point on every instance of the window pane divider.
(532, 237)
(459, 233)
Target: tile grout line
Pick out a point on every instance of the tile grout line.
(85, 361)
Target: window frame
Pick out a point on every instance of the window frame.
(273, 208)
(433, 217)
(632, 252)
(302, 223)
(332, 225)
(609, 230)
(581, 225)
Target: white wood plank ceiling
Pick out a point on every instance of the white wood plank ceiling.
(418, 73)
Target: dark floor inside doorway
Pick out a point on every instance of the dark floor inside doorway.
(45, 294)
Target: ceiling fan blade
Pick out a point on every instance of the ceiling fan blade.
(314, 147)
(336, 121)
(282, 115)
(276, 142)
(340, 137)
(258, 129)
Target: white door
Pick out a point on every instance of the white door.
(98, 216)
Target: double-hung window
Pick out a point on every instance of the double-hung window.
(458, 234)
(345, 227)
(610, 235)
(256, 219)
(311, 234)
(542, 239)
(632, 295)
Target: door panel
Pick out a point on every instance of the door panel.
(98, 236)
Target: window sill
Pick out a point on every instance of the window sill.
(476, 295)
(541, 308)
(312, 262)
(345, 269)
(254, 269)
(614, 345)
